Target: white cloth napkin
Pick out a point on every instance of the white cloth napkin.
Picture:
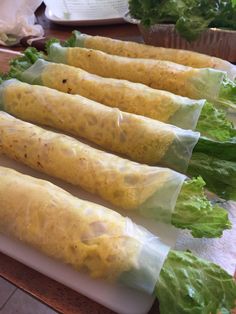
(17, 20)
(221, 251)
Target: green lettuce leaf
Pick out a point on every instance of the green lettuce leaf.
(72, 40)
(213, 124)
(227, 96)
(219, 175)
(151, 11)
(192, 17)
(190, 285)
(20, 64)
(227, 16)
(221, 150)
(196, 18)
(195, 212)
(50, 42)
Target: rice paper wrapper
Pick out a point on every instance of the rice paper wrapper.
(152, 256)
(160, 105)
(195, 83)
(163, 35)
(187, 116)
(207, 84)
(87, 236)
(139, 138)
(150, 191)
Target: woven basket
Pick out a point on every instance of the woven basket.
(215, 42)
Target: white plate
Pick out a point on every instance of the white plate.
(49, 15)
(118, 298)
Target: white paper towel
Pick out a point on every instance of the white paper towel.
(17, 20)
(221, 251)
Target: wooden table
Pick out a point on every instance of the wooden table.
(48, 291)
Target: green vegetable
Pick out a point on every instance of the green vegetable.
(191, 17)
(195, 212)
(20, 64)
(213, 124)
(48, 44)
(227, 16)
(227, 96)
(190, 285)
(72, 40)
(219, 175)
(222, 150)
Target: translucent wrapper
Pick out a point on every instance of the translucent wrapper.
(150, 191)
(127, 96)
(176, 78)
(80, 233)
(137, 50)
(140, 138)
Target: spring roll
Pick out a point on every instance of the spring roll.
(211, 123)
(140, 138)
(123, 183)
(157, 193)
(194, 83)
(80, 233)
(137, 50)
(106, 245)
(127, 96)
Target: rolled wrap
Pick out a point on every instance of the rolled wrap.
(176, 78)
(127, 96)
(79, 233)
(137, 50)
(150, 191)
(139, 138)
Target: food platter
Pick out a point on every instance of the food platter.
(92, 229)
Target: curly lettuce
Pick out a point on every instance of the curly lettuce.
(227, 95)
(191, 17)
(213, 124)
(190, 285)
(195, 212)
(219, 174)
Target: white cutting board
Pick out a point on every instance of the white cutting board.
(117, 298)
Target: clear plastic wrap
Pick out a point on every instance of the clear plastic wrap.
(139, 138)
(151, 191)
(176, 78)
(85, 235)
(127, 96)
